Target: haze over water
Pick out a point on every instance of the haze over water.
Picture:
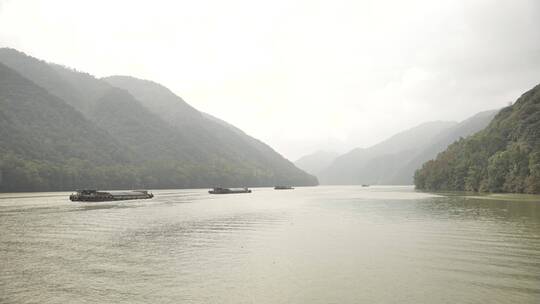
(309, 245)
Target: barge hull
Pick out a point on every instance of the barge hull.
(231, 192)
(99, 196)
(228, 191)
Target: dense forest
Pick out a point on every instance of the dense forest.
(61, 129)
(504, 157)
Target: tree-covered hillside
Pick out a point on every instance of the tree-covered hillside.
(504, 157)
(46, 144)
(36, 124)
(212, 136)
(63, 129)
(467, 127)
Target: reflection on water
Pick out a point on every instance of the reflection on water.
(310, 245)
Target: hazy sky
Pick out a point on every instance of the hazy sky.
(299, 75)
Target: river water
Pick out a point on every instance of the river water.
(309, 245)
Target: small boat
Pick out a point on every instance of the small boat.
(102, 196)
(283, 188)
(365, 185)
(219, 190)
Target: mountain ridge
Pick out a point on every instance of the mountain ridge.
(349, 167)
(394, 160)
(163, 153)
(503, 157)
(314, 163)
(233, 142)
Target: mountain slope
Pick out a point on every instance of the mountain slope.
(212, 134)
(377, 164)
(316, 162)
(504, 157)
(36, 124)
(465, 128)
(158, 99)
(40, 135)
(183, 150)
(114, 111)
(45, 75)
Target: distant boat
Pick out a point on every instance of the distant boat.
(283, 188)
(365, 185)
(102, 196)
(219, 190)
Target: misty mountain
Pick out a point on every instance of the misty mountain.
(165, 142)
(503, 157)
(394, 161)
(316, 162)
(36, 124)
(207, 132)
(45, 144)
(377, 164)
(469, 126)
(113, 110)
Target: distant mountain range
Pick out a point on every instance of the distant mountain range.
(394, 160)
(503, 157)
(63, 129)
(315, 163)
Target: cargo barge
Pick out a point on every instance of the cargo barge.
(219, 190)
(102, 196)
(283, 188)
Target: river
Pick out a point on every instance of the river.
(327, 244)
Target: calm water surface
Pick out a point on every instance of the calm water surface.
(308, 245)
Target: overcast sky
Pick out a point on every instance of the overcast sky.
(300, 75)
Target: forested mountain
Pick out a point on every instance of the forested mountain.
(378, 164)
(504, 157)
(208, 133)
(316, 162)
(108, 138)
(394, 161)
(405, 174)
(112, 109)
(44, 142)
(158, 99)
(37, 124)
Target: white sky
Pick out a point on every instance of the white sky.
(299, 75)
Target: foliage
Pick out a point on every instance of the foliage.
(504, 157)
(61, 130)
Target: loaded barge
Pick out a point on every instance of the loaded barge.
(219, 190)
(102, 196)
(283, 188)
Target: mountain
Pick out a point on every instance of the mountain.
(39, 133)
(154, 139)
(25, 132)
(316, 162)
(211, 134)
(377, 164)
(463, 129)
(394, 161)
(113, 110)
(158, 99)
(503, 157)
